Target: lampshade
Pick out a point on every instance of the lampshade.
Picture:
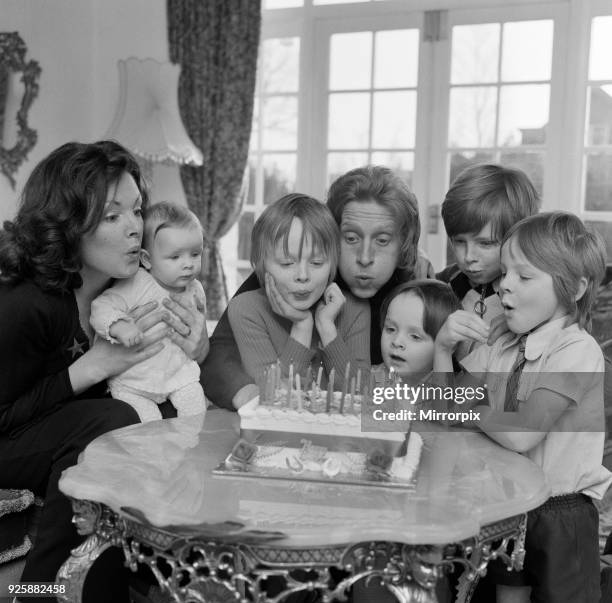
(147, 120)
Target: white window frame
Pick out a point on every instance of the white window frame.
(563, 165)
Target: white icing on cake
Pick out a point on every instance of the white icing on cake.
(283, 440)
(256, 417)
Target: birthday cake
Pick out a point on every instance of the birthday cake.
(317, 432)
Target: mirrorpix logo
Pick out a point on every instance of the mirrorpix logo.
(422, 394)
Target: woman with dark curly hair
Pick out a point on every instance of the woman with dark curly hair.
(79, 226)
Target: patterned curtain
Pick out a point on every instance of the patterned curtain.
(215, 42)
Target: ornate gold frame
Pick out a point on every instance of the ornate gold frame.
(210, 567)
(12, 55)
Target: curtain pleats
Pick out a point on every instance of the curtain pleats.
(215, 42)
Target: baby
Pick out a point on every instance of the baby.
(172, 258)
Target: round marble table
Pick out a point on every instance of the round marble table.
(150, 489)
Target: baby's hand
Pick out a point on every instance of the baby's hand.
(126, 333)
(461, 326)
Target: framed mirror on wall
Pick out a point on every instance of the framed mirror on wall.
(18, 89)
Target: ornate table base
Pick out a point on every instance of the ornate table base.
(224, 562)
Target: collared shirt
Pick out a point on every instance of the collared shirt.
(567, 361)
(469, 295)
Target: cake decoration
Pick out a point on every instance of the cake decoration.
(297, 429)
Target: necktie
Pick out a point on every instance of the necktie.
(511, 403)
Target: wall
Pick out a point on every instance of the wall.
(77, 44)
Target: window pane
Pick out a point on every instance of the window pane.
(279, 175)
(340, 163)
(475, 53)
(245, 226)
(349, 118)
(394, 119)
(472, 117)
(527, 51)
(281, 64)
(531, 163)
(350, 61)
(523, 114)
(401, 163)
(600, 65)
(605, 230)
(280, 123)
(463, 160)
(254, 141)
(252, 183)
(396, 58)
(336, 1)
(282, 3)
(600, 115)
(598, 182)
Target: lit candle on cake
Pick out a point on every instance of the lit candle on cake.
(277, 373)
(353, 395)
(347, 372)
(270, 383)
(308, 378)
(319, 377)
(370, 388)
(358, 386)
(330, 390)
(298, 389)
(290, 386)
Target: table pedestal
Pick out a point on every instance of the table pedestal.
(222, 562)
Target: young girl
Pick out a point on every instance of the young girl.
(411, 317)
(298, 316)
(550, 407)
(172, 258)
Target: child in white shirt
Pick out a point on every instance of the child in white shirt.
(551, 268)
(172, 259)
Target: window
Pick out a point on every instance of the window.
(597, 152)
(371, 103)
(273, 147)
(342, 84)
(500, 95)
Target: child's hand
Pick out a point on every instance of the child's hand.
(281, 306)
(326, 313)
(126, 333)
(329, 308)
(461, 326)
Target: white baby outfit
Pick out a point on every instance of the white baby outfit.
(168, 374)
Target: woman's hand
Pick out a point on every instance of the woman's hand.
(327, 312)
(188, 327)
(105, 359)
